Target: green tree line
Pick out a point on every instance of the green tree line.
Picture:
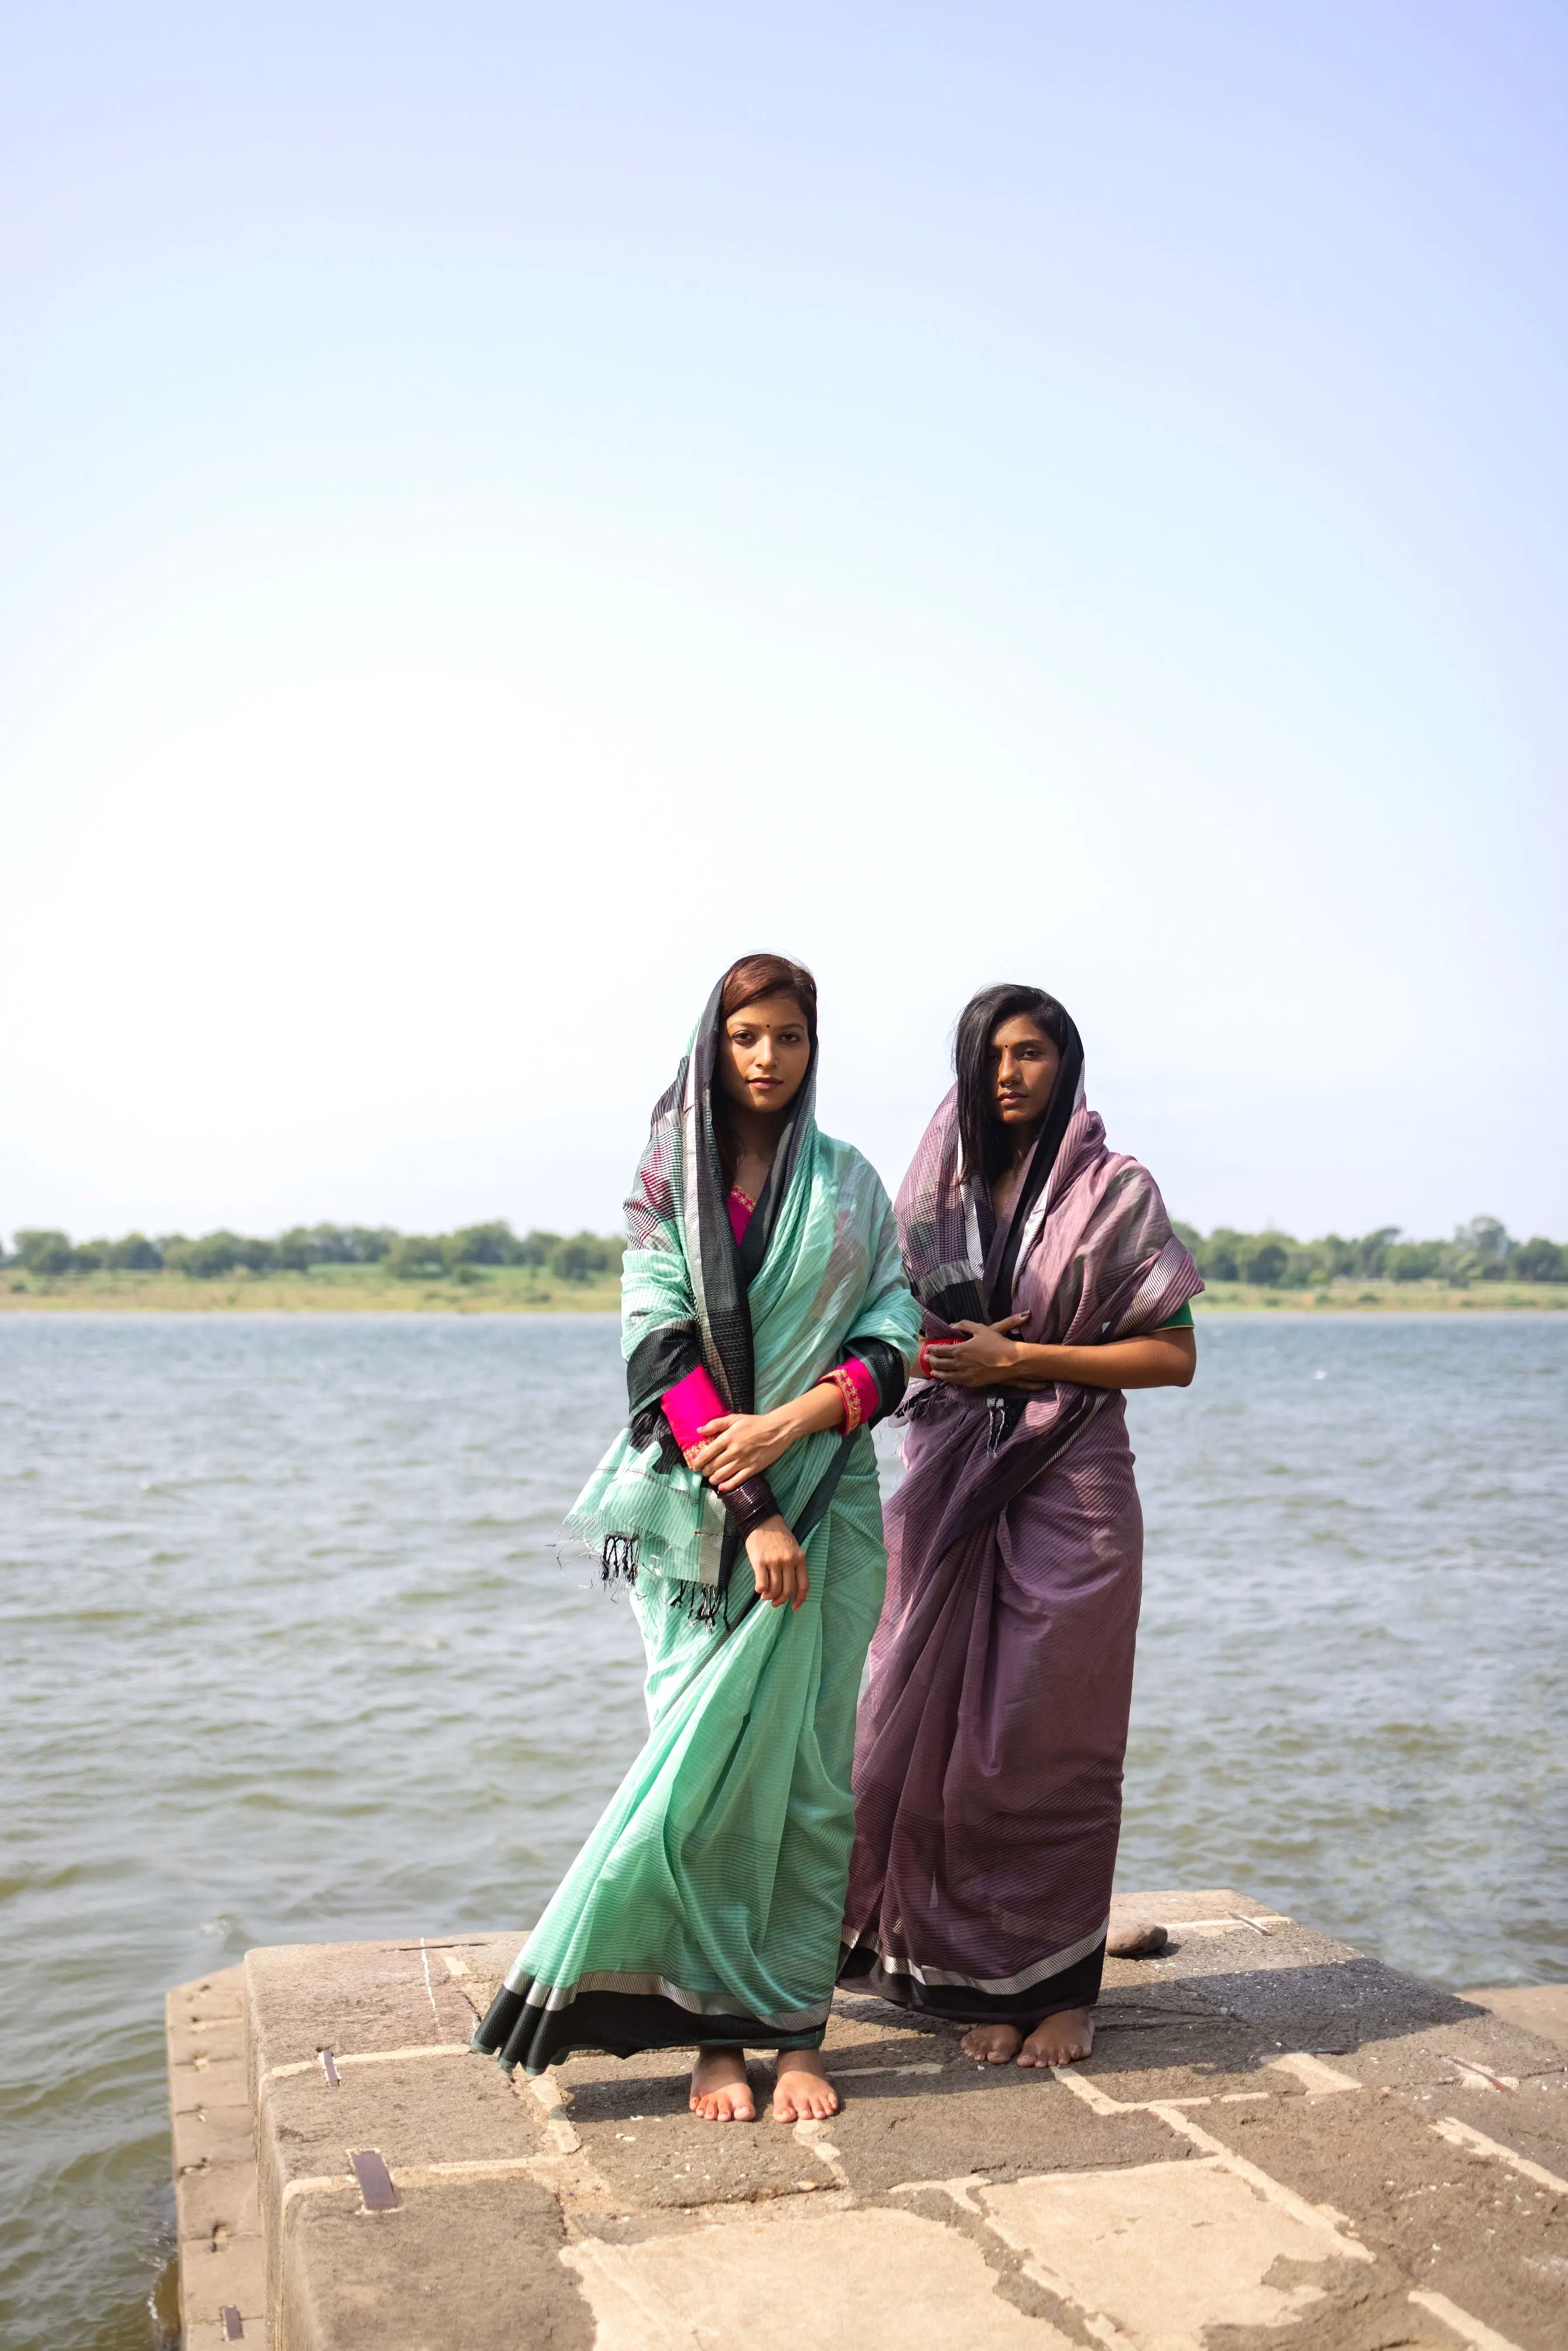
(408, 1256)
(1482, 1250)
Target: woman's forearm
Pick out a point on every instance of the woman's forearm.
(821, 1408)
(740, 1446)
(1164, 1359)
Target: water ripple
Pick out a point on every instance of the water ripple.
(294, 1650)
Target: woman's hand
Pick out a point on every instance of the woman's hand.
(739, 1446)
(988, 1358)
(778, 1564)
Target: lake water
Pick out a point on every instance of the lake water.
(290, 1652)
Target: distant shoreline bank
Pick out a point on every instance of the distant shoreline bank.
(529, 1289)
(325, 1290)
(1387, 1298)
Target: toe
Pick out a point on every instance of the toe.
(797, 2106)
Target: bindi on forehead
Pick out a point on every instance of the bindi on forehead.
(769, 1013)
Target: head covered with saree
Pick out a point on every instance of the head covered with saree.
(1085, 1250)
(818, 1266)
(990, 1742)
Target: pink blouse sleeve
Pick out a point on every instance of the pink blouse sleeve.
(858, 1389)
(865, 1385)
(689, 1404)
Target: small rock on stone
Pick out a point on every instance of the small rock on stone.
(1140, 1940)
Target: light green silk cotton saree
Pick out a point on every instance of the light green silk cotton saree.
(707, 1904)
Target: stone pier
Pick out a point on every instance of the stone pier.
(1277, 2143)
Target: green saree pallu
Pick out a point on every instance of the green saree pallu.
(707, 1905)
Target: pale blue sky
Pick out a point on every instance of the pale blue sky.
(507, 508)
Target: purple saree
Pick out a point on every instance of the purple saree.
(987, 1774)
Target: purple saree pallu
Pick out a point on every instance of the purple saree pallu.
(987, 1774)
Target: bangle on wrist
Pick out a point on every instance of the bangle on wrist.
(749, 1505)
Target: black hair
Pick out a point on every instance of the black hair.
(987, 1149)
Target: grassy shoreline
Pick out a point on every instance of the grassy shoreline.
(325, 1290)
(531, 1289)
(1387, 1298)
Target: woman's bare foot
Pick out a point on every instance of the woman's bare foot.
(720, 2091)
(1068, 2034)
(801, 2090)
(993, 2044)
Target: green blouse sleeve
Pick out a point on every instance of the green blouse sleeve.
(1181, 1320)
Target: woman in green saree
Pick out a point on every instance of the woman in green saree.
(766, 1325)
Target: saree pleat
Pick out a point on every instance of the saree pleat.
(989, 1769)
(711, 1893)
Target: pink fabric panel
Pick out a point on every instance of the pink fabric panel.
(740, 1213)
(691, 1403)
(864, 1386)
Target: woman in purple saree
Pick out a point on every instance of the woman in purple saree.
(988, 1773)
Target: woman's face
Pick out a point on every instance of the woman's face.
(766, 1053)
(1024, 1063)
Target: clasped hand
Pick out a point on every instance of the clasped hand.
(741, 1445)
(983, 1360)
(737, 1446)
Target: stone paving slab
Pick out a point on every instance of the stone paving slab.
(205, 2139)
(459, 2141)
(226, 2278)
(1277, 2142)
(217, 2221)
(1541, 2009)
(365, 1997)
(470, 2263)
(781, 2276)
(1446, 2217)
(1165, 2253)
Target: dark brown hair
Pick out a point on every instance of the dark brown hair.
(747, 982)
(757, 976)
